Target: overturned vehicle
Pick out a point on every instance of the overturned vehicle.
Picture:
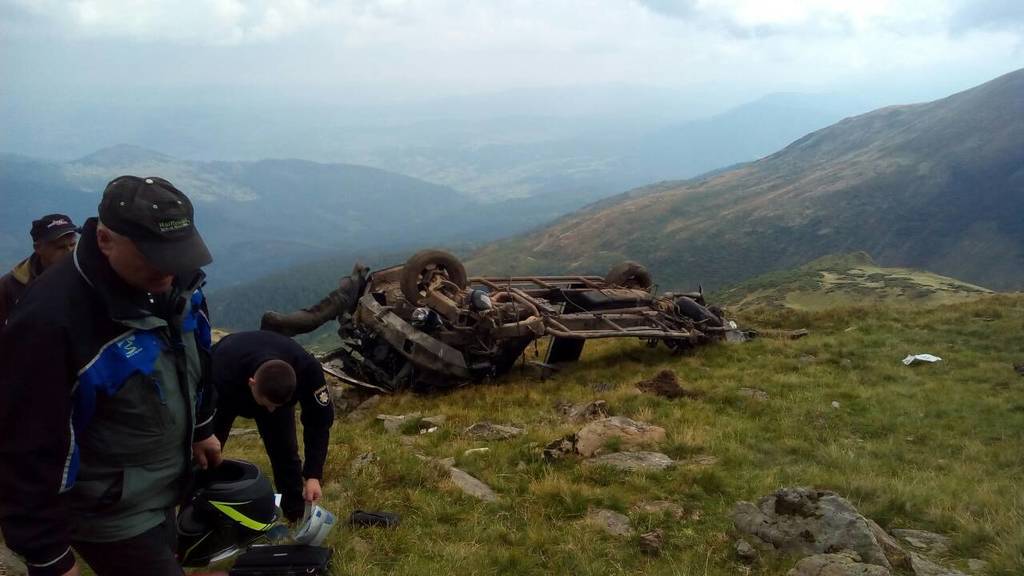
(426, 325)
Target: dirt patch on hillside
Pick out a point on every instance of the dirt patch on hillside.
(666, 384)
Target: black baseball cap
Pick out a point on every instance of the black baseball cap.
(159, 220)
(51, 227)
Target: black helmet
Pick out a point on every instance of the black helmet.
(232, 505)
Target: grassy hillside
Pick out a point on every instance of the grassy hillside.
(938, 186)
(845, 279)
(935, 447)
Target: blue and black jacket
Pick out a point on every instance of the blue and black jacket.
(103, 390)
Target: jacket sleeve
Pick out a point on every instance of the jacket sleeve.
(317, 417)
(37, 452)
(206, 394)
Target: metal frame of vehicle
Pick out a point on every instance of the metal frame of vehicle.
(425, 325)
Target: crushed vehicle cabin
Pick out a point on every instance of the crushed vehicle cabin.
(427, 325)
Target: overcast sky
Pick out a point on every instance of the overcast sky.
(724, 51)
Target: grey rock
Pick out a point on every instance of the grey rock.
(898, 557)
(583, 412)
(922, 541)
(675, 511)
(471, 486)
(632, 461)
(651, 542)
(755, 394)
(433, 421)
(976, 565)
(806, 522)
(627, 433)
(362, 461)
(364, 410)
(603, 386)
(489, 431)
(560, 448)
(921, 566)
(843, 564)
(395, 423)
(610, 522)
(446, 462)
(808, 358)
(745, 552)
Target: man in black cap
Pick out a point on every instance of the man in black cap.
(105, 400)
(53, 237)
(262, 375)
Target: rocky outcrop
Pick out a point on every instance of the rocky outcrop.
(806, 521)
(619, 431)
(610, 522)
(843, 564)
(489, 431)
(632, 461)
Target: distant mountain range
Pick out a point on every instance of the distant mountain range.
(263, 216)
(938, 186)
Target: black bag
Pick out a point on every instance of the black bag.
(285, 560)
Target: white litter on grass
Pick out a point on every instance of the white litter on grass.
(835, 405)
(920, 358)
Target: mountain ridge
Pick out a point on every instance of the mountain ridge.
(931, 186)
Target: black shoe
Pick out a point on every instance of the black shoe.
(361, 518)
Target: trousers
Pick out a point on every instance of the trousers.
(152, 553)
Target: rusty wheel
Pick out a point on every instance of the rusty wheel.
(425, 268)
(629, 275)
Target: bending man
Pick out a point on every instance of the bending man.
(262, 375)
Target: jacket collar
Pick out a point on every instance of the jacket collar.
(28, 269)
(124, 303)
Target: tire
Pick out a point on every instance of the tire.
(424, 263)
(629, 275)
(696, 312)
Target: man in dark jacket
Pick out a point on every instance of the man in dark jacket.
(105, 400)
(262, 375)
(53, 237)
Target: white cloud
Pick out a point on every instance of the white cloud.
(453, 45)
(190, 21)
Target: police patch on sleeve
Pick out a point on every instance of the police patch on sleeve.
(323, 396)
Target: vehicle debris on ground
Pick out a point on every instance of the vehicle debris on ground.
(427, 325)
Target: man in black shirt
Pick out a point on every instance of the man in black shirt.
(261, 375)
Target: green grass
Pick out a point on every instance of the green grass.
(843, 280)
(936, 447)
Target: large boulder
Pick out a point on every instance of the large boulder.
(610, 522)
(489, 431)
(632, 461)
(619, 431)
(807, 522)
(844, 564)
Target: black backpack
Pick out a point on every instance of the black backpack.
(283, 560)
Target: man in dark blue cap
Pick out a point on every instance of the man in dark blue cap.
(53, 237)
(105, 396)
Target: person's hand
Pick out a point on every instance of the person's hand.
(206, 453)
(73, 571)
(311, 492)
